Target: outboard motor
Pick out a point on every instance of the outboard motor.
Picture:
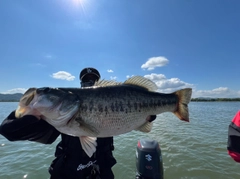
(149, 160)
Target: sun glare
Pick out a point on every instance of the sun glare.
(77, 2)
(77, 8)
(81, 4)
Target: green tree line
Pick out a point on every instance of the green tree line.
(214, 99)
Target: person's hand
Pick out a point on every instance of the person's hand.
(26, 118)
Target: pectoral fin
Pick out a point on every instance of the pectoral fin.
(146, 127)
(89, 144)
(88, 129)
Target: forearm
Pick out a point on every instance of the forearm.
(28, 128)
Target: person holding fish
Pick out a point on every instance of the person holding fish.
(70, 161)
(233, 145)
(108, 109)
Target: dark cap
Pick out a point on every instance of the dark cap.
(89, 74)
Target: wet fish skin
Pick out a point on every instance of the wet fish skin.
(105, 110)
(108, 112)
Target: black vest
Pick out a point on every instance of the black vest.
(72, 161)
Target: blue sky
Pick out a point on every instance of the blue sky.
(175, 43)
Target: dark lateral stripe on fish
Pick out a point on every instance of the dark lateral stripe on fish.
(118, 106)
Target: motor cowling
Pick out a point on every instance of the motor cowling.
(149, 160)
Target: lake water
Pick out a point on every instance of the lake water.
(190, 150)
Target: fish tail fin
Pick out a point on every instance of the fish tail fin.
(184, 97)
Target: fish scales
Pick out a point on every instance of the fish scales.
(112, 108)
(107, 109)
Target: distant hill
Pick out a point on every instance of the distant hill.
(10, 97)
(207, 99)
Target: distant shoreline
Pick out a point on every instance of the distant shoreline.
(215, 99)
(8, 101)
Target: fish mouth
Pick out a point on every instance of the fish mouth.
(23, 107)
(28, 96)
(28, 101)
(29, 105)
(49, 104)
(20, 111)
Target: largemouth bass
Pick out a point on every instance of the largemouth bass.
(107, 109)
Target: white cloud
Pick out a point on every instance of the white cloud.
(155, 62)
(110, 71)
(221, 92)
(48, 56)
(129, 76)
(173, 83)
(63, 75)
(168, 85)
(15, 90)
(155, 77)
(113, 77)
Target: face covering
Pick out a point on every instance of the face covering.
(87, 84)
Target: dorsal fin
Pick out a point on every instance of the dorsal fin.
(141, 82)
(107, 83)
(135, 80)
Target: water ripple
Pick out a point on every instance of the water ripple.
(195, 150)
